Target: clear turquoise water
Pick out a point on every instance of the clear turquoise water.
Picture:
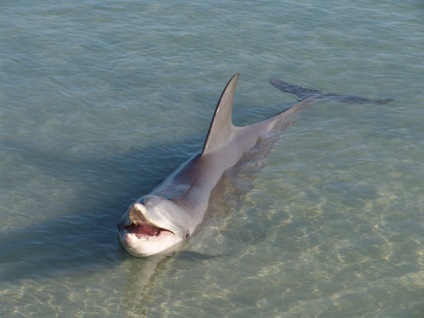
(99, 100)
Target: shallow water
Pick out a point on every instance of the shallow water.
(100, 100)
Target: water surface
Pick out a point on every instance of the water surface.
(100, 100)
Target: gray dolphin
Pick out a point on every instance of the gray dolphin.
(170, 213)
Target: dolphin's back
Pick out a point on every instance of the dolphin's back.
(224, 147)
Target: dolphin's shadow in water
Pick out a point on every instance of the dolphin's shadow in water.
(143, 273)
(86, 237)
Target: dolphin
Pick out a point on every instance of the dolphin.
(161, 220)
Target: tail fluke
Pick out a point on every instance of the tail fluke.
(303, 93)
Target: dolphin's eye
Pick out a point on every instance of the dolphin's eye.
(187, 235)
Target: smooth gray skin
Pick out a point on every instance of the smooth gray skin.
(168, 215)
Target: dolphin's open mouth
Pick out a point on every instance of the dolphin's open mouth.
(139, 227)
(145, 230)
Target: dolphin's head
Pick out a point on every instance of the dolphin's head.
(152, 225)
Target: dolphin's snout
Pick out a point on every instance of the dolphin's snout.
(135, 215)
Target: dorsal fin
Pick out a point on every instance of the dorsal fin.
(222, 125)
